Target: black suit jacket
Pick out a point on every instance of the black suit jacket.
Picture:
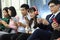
(56, 33)
(49, 27)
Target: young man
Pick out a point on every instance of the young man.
(46, 26)
(22, 21)
(54, 6)
(21, 25)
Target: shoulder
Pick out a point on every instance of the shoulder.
(58, 18)
(58, 14)
(49, 15)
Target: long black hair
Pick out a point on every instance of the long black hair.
(13, 11)
(32, 9)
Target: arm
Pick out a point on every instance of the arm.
(39, 20)
(24, 25)
(5, 24)
(45, 22)
(55, 26)
(21, 24)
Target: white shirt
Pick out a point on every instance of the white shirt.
(22, 20)
(32, 27)
(54, 14)
(12, 25)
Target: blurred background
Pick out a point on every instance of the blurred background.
(42, 6)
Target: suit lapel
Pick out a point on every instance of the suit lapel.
(57, 15)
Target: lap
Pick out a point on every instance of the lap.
(40, 34)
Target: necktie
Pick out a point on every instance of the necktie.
(50, 21)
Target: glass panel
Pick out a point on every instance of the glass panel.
(42, 6)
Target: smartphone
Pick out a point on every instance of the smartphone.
(54, 20)
(13, 18)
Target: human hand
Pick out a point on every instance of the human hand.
(45, 22)
(39, 20)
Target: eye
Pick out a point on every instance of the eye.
(52, 6)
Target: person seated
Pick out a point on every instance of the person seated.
(6, 19)
(14, 19)
(33, 19)
(22, 21)
(12, 24)
(56, 32)
(30, 24)
(46, 29)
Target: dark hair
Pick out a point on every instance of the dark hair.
(32, 9)
(13, 11)
(26, 6)
(54, 1)
(6, 9)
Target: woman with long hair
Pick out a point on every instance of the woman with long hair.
(33, 21)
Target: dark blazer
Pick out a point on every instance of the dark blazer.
(46, 27)
(56, 33)
(44, 32)
(49, 27)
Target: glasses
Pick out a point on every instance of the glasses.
(52, 6)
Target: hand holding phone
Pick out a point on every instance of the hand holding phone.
(54, 20)
(55, 24)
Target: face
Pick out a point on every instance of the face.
(54, 8)
(9, 12)
(5, 13)
(32, 15)
(24, 11)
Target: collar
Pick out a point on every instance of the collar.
(56, 13)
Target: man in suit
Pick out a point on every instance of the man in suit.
(46, 29)
(56, 25)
